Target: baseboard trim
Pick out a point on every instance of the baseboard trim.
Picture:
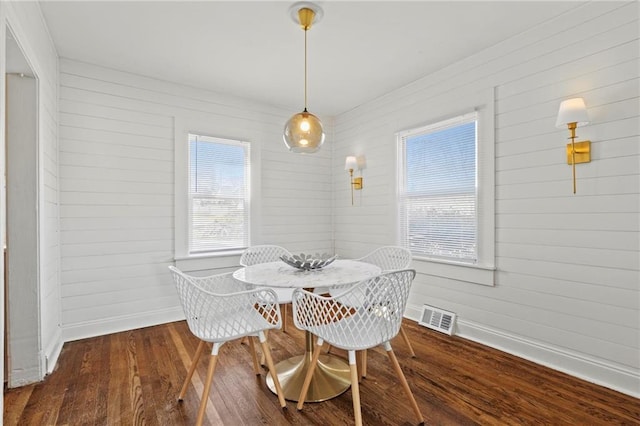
(123, 323)
(597, 371)
(52, 353)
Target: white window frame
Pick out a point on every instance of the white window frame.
(406, 198)
(215, 259)
(246, 150)
(483, 271)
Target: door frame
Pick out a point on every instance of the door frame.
(10, 33)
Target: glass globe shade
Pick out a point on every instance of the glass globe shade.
(303, 133)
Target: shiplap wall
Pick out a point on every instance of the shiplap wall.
(117, 192)
(30, 31)
(567, 287)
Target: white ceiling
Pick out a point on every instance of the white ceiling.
(359, 51)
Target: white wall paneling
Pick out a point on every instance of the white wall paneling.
(117, 192)
(567, 282)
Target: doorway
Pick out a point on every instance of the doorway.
(22, 314)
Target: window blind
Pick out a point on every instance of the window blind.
(438, 189)
(218, 194)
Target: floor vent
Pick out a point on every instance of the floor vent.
(437, 319)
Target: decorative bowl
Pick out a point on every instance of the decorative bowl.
(307, 262)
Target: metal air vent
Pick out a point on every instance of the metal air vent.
(437, 319)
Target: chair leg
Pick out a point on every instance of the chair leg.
(263, 360)
(283, 311)
(207, 388)
(307, 378)
(192, 368)
(406, 340)
(355, 388)
(329, 349)
(254, 356)
(364, 364)
(403, 380)
(361, 363)
(274, 373)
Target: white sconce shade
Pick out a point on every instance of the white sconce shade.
(351, 163)
(572, 111)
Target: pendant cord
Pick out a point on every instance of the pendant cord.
(305, 69)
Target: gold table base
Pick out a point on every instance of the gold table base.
(330, 378)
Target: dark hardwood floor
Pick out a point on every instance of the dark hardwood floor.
(133, 378)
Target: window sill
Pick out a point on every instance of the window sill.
(476, 274)
(209, 261)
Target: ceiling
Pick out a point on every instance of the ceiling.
(359, 51)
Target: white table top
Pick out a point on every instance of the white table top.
(279, 274)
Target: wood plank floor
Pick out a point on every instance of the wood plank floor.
(133, 378)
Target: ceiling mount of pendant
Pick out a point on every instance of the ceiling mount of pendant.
(304, 19)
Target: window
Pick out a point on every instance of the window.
(446, 187)
(438, 190)
(218, 192)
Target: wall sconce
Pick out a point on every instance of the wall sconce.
(573, 113)
(354, 163)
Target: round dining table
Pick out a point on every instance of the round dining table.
(331, 376)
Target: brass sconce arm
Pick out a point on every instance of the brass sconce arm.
(573, 113)
(356, 183)
(352, 163)
(577, 152)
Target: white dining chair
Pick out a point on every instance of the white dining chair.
(269, 253)
(218, 309)
(391, 258)
(373, 320)
(387, 258)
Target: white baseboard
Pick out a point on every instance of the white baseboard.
(593, 370)
(52, 353)
(123, 323)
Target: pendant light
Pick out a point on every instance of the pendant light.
(303, 132)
